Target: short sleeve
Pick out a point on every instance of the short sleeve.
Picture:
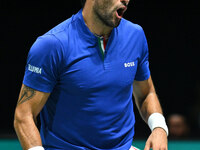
(143, 71)
(43, 64)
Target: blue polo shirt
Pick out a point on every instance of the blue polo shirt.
(90, 106)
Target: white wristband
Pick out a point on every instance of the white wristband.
(36, 148)
(156, 120)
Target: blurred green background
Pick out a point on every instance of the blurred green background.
(13, 144)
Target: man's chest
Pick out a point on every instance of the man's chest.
(86, 71)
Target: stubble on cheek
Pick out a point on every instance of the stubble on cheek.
(105, 11)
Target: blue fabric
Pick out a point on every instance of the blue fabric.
(90, 106)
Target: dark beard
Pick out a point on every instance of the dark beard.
(106, 19)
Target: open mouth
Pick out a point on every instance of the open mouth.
(120, 12)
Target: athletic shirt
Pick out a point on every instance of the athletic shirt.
(90, 106)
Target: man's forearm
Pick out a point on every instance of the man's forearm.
(146, 98)
(151, 112)
(27, 132)
(149, 106)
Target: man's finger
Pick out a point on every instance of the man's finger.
(147, 146)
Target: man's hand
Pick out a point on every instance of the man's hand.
(157, 140)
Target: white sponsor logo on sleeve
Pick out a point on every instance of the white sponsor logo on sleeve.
(34, 69)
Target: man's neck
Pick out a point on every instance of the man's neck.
(94, 24)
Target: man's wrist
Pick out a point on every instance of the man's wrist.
(36, 148)
(157, 120)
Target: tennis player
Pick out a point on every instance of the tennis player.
(80, 77)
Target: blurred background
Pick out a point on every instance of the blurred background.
(172, 31)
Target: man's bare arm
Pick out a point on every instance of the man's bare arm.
(148, 104)
(29, 104)
(146, 98)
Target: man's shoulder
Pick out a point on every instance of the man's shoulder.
(64, 26)
(134, 30)
(62, 32)
(130, 26)
(61, 27)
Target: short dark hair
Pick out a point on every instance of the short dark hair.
(83, 2)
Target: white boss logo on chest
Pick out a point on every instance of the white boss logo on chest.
(129, 64)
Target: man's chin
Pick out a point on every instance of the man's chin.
(113, 24)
